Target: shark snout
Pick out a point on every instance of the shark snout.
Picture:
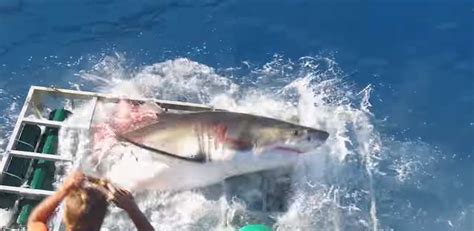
(318, 136)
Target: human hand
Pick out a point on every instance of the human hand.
(121, 198)
(74, 181)
(124, 199)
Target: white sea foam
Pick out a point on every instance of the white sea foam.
(314, 97)
(5, 216)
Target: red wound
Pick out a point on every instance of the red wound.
(223, 138)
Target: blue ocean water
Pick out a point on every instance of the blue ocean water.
(417, 56)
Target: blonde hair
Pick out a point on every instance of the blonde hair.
(85, 209)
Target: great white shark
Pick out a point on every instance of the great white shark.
(202, 148)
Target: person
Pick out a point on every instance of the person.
(86, 201)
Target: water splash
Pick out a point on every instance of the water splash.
(344, 185)
(7, 118)
(5, 217)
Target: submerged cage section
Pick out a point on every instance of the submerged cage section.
(30, 163)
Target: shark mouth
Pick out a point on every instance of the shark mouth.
(289, 150)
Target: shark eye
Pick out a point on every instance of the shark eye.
(296, 133)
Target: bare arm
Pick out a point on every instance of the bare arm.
(124, 199)
(39, 217)
(139, 219)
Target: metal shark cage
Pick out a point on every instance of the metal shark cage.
(25, 150)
